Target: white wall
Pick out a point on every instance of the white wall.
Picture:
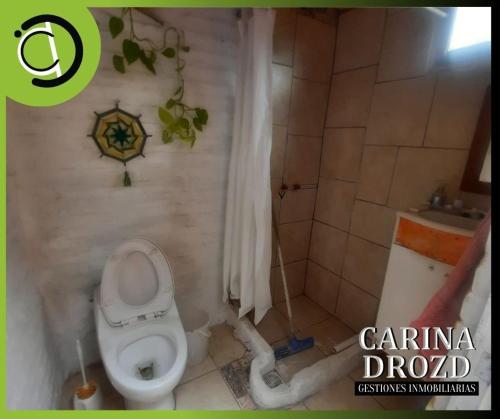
(34, 378)
(72, 206)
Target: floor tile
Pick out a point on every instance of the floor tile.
(288, 367)
(327, 334)
(392, 402)
(195, 371)
(223, 347)
(340, 396)
(305, 312)
(273, 327)
(208, 392)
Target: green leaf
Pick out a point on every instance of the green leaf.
(118, 63)
(186, 49)
(197, 124)
(147, 61)
(170, 104)
(131, 50)
(202, 115)
(174, 127)
(115, 26)
(152, 56)
(165, 116)
(169, 52)
(184, 123)
(167, 137)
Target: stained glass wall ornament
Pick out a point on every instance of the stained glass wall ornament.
(120, 135)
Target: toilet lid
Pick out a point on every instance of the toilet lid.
(137, 283)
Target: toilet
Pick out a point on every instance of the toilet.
(141, 338)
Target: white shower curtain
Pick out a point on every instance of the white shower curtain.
(247, 241)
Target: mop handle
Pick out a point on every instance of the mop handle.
(80, 358)
(283, 276)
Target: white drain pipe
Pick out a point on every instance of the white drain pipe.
(305, 382)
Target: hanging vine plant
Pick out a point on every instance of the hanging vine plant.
(180, 121)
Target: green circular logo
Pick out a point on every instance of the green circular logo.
(50, 53)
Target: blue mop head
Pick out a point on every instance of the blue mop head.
(294, 346)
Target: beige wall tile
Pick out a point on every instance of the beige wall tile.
(295, 240)
(341, 154)
(284, 36)
(473, 200)
(373, 222)
(392, 10)
(326, 15)
(328, 246)
(355, 307)
(350, 97)
(334, 202)
(359, 40)
(295, 276)
(308, 107)
(314, 47)
(282, 85)
(410, 44)
(275, 189)
(273, 327)
(420, 171)
(278, 151)
(303, 156)
(365, 265)
(298, 205)
(455, 109)
(377, 167)
(322, 286)
(399, 112)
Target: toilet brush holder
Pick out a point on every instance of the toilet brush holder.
(88, 397)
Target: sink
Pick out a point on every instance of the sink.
(453, 220)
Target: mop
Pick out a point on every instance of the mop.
(295, 345)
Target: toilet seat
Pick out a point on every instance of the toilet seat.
(117, 284)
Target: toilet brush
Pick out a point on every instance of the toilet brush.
(88, 396)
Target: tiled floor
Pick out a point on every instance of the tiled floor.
(203, 386)
(309, 319)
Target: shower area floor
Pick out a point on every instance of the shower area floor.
(220, 382)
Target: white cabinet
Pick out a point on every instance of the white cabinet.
(410, 282)
(412, 279)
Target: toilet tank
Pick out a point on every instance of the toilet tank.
(422, 254)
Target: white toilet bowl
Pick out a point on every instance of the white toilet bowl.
(141, 339)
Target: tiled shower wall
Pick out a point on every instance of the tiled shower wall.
(302, 66)
(398, 125)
